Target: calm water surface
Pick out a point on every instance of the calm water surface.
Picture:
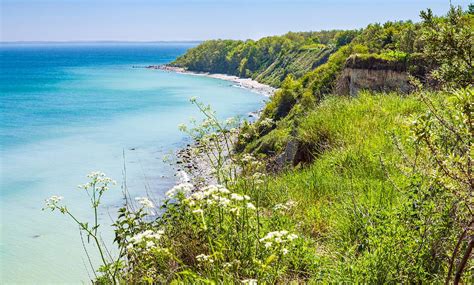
(70, 109)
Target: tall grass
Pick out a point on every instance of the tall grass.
(361, 212)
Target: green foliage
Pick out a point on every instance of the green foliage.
(449, 42)
(269, 60)
(283, 100)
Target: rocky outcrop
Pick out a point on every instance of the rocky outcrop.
(373, 74)
(295, 153)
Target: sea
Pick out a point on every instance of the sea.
(67, 109)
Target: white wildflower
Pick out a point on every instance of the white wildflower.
(246, 135)
(227, 265)
(231, 121)
(203, 258)
(291, 237)
(268, 244)
(184, 188)
(267, 122)
(237, 197)
(247, 158)
(235, 210)
(251, 206)
(182, 127)
(145, 202)
(284, 251)
(52, 202)
(250, 281)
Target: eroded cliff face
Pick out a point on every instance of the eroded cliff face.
(353, 80)
(373, 74)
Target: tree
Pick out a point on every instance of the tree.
(449, 42)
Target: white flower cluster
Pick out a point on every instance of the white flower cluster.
(258, 177)
(99, 180)
(267, 122)
(145, 202)
(247, 158)
(278, 238)
(220, 196)
(182, 127)
(246, 135)
(250, 160)
(52, 202)
(147, 239)
(231, 121)
(184, 188)
(250, 281)
(285, 207)
(204, 258)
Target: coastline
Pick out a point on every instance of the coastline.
(191, 164)
(247, 83)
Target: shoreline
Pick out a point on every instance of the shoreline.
(246, 83)
(191, 165)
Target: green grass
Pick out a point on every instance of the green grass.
(345, 200)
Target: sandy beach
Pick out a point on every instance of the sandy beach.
(246, 83)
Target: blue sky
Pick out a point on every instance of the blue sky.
(165, 20)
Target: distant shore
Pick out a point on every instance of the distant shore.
(246, 83)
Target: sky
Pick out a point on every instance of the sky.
(187, 20)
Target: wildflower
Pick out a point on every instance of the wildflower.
(223, 201)
(279, 207)
(52, 202)
(182, 127)
(258, 177)
(291, 237)
(251, 206)
(237, 197)
(100, 177)
(284, 251)
(279, 237)
(146, 235)
(268, 244)
(193, 99)
(246, 135)
(184, 188)
(203, 258)
(290, 204)
(246, 197)
(250, 281)
(231, 121)
(235, 210)
(267, 122)
(247, 158)
(227, 265)
(145, 202)
(149, 244)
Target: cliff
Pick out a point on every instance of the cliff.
(373, 73)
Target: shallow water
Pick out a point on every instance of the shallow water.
(70, 109)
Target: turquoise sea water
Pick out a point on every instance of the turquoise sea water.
(69, 109)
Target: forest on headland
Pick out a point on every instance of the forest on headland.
(358, 170)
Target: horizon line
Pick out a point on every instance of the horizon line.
(97, 41)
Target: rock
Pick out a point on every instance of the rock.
(287, 157)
